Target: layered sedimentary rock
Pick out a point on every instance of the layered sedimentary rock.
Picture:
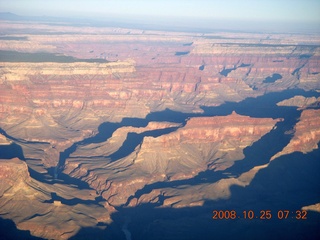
(60, 103)
(198, 194)
(52, 103)
(166, 70)
(307, 134)
(31, 204)
(56, 91)
(112, 144)
(23, 71)
(315, 207)
(301, 102)
(203, 143)
(4, 140)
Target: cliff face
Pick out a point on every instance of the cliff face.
(31, 204)
(301, 102)
(59, 103)
(59, 83)
(307, 134)
(4, 140)
(48, 98)
(203, 143)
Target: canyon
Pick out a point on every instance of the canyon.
(107, 132)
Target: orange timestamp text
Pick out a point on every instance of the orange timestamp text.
(262, 214)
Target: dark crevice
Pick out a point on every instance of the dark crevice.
(263, 106)
(135, 139)
(289, 183)
(273, 78)
(297, 70)
(259, 153)
(226, 71)
(9, 231)
(181, 53)
(73, 201)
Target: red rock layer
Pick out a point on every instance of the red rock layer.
(300, 101)
(60, 103)
(52, 105)
(27, 202)
(209, 142)
(306, 136)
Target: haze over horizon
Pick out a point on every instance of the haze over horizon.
(158, 119)
(272, 15)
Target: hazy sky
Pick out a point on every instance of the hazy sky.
(286, 11)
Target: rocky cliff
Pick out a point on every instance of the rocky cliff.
(50, 211)
(306, 134)
(301, 102)
(203, 143)
(105, 119)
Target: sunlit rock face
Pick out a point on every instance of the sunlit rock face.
(59, 84)
(57, 103)
(4, 140)
(29, 204)
(203, 143)
(301, 102)
(306, 135)
(47, 98)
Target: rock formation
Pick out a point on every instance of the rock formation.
(301, 102)
(56, 94)
(203, 143)
(29, 203)
(306, 134)
(4, 140)
(315, 207)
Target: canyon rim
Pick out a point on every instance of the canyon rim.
(120, 133)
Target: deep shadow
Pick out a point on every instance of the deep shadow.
(257, 154)
(226, 71)
(135, 139)
(263, 106)
(289, 183)
(13, 56)
(181, 53)
(73, 201)
(11, 151)
(105, 131)
(150, 222)
(273, 78)
(9, 231)
(305, 56)
(297, 70)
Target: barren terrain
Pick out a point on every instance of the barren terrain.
(102, 128)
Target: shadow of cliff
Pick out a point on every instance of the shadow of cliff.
(9, 231)
(288, 183)
(11, 151)
(257, 154)
(260, 107)
(135, 139)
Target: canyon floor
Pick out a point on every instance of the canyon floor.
(118, 133)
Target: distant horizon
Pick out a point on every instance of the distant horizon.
(185, 24)
(245, 15)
